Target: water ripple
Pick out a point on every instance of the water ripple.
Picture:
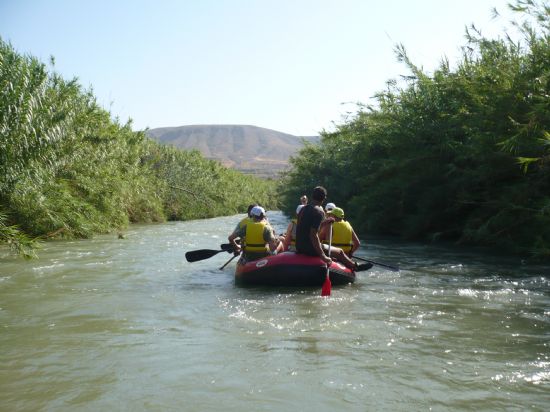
(98, 323)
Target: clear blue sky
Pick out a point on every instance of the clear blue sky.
(288, 65)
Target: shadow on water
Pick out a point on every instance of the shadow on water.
(415, 256)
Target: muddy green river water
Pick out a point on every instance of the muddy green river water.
(112, 324)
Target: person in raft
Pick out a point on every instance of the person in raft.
(307, 235)
(343, 235)
(257, 237)
(289, 242)
(329, 207)
(246, 219)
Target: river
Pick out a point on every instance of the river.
(129, 325)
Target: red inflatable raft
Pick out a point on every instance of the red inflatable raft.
(291, 269)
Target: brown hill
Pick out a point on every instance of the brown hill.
(250, 149)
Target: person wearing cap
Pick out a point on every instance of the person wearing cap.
(326, 221)
(343, 235)
(303, 200)
(289, 242)
(247, 218)
(257, 236)
(329, 207)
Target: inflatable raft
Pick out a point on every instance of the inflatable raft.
(291, 269)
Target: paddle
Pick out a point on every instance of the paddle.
(227, 263)
(325, 290)
(201, 254)
(227, 246)
(390, 267)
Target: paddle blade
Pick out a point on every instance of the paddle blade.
(362, 267)
(201, 254)
(327, 286)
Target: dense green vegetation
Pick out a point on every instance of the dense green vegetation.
(68, 169)
(462, 154)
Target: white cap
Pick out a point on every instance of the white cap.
(257, 211)
(299, 208)
(329, 207)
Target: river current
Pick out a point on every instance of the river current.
(129, 325)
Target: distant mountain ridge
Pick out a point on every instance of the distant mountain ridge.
(250, 149)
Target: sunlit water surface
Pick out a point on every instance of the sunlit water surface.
(129, 325)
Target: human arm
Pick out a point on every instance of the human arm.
(316, 243)
(270, 238)
(319, 217)
(324, 228)
(237, 233)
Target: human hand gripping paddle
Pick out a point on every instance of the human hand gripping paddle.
(230, 248)
(325, 290)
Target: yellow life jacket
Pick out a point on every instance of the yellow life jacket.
(245, 221)
(342, 235)
(254, 237)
